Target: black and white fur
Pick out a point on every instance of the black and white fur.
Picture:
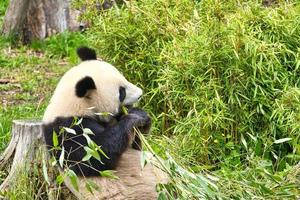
(94, 87)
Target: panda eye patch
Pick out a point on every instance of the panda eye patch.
(122, 93)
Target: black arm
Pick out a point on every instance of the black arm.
(113, 140)
(144, 129)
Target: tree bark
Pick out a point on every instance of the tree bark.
(25, 136)
(27, 147)
(38, 19)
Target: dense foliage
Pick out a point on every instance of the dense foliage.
(221, 78)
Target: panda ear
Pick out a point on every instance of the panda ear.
(84, 85)
(86, 53)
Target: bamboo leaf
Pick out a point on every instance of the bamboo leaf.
(60, 179)
(88, 140)
(108, 174)
(62, 157)
(92, 153)
(244, 141)
(91, 186)
(53, 161)
(87, 157)
(102, 152)
(45, 172)
(88, 131)
(55, 139)
(282, 140)
(73, 177)
(69, 130)
(143, 159)
(96, 155)
(79, 121)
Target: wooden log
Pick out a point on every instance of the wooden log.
(26, 147)
(26, 135)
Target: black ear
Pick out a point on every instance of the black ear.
(86, 53)
(84, 85)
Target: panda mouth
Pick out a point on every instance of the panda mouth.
(128, 106)
(122, 111)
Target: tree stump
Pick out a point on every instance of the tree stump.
(26, 147)
(26, 135)
(38, 19)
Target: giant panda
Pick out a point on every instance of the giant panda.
(83, 93)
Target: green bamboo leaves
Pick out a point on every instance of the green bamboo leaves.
(92, 151)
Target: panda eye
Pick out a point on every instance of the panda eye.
(122, 93)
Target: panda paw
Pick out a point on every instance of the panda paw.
(141, 119)
(140, 112)
(144, 128)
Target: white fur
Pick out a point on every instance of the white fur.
(134, 183)
(64, 102)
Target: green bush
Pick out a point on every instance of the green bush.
(221, 78)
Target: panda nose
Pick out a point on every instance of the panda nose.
(133, 95)
(139, 93)
(137, 96)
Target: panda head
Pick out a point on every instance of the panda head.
(91, 87)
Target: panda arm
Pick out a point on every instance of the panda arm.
(145, 129)
(113, 141)
(137, 143)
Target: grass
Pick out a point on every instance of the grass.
(221, 82)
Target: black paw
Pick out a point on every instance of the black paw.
(141, 121)
(142, 118)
